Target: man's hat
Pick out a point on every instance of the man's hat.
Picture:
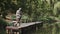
(19, 8)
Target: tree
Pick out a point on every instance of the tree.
(7, 5)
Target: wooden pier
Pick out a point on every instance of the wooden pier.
(23, 28)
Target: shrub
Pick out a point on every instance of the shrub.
(3, 24)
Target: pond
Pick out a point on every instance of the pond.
(48, 29)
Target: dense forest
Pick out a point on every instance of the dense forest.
(47, 11)
(36, 10)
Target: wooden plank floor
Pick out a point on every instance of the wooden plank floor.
(22, 25)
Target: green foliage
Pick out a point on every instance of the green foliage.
(47, 11)
(36, 10)
(3, 32)
(3, 24)
(56, 10)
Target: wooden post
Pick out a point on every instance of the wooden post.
(7, 31)
(11, 31)
(19, 31)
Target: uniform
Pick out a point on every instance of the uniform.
(18, 15)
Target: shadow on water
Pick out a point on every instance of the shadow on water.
(48, 29)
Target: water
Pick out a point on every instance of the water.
(48, 29)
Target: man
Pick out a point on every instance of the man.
(18, 15)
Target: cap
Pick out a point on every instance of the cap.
(19, 8)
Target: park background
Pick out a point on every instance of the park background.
(47, 11)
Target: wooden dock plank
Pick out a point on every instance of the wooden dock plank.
(22, 25)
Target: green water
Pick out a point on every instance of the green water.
(48, 29)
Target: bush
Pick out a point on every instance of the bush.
(3, 24)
